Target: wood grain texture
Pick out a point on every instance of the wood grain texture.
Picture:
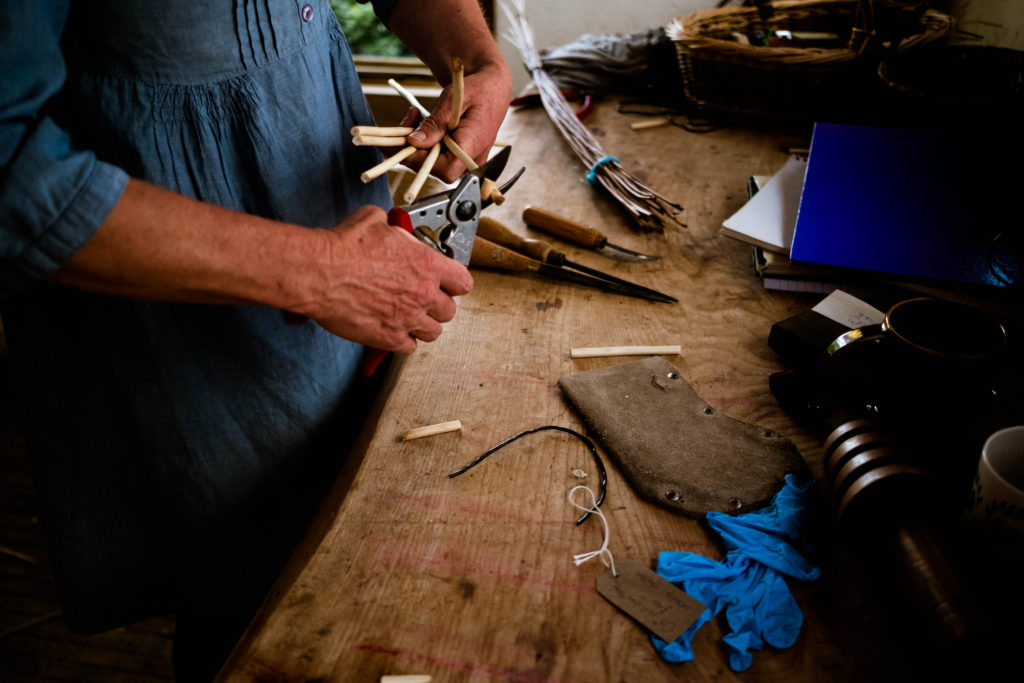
(472, 579)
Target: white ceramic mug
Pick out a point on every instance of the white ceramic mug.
(997, 496)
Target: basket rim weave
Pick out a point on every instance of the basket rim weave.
(692, 33)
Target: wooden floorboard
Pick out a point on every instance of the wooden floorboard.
(35, 644)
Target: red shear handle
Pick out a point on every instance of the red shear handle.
(399, 218)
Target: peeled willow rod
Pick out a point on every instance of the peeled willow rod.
(457, 89)
(389, 163)
(602, 351)
(448, 141)
(378, 141)
(386, 131)
(432, 430)
(421, 175)
(488, 190)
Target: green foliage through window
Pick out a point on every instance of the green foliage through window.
(365, 33)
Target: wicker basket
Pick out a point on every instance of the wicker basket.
(725, 77)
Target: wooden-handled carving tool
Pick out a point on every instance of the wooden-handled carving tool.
(577, 233)
(492, 230)
(487, 254)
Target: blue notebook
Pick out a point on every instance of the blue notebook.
(939, 206)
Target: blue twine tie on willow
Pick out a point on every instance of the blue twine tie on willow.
(592, 173)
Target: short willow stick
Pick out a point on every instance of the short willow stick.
(409, 97)
(421, 175)
(488, 190)
(432, 430)
(457, 91)
(386, 165)
(378, 141)
(24, 557)
(390, 131)
(596, 352)
(448, 142)
(494, 195)
(29, 623)
(651, 123)
(459, 153)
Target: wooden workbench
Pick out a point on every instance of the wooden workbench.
(471, 579)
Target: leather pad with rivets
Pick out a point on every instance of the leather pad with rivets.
(673, 448)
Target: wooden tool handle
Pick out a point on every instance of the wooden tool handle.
(572, 231)
(487, 254)
(493, 231)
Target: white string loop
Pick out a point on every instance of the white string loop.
(602, 552)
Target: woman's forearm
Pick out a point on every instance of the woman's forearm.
(160, 245)
(362, 280)
(438, 31)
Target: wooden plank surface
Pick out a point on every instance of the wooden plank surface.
(472, 579)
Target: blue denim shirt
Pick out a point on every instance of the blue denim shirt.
(178, 448)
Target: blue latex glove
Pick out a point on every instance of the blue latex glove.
(749, 582)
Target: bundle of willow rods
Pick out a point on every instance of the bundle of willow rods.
(648, 209)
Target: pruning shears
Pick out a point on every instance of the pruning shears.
(447, 221)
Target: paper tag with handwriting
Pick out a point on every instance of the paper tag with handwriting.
(848, 310)
(662, 608)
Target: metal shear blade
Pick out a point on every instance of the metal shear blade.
(447, 221)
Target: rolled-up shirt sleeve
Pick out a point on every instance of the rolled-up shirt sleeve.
(53, 197)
